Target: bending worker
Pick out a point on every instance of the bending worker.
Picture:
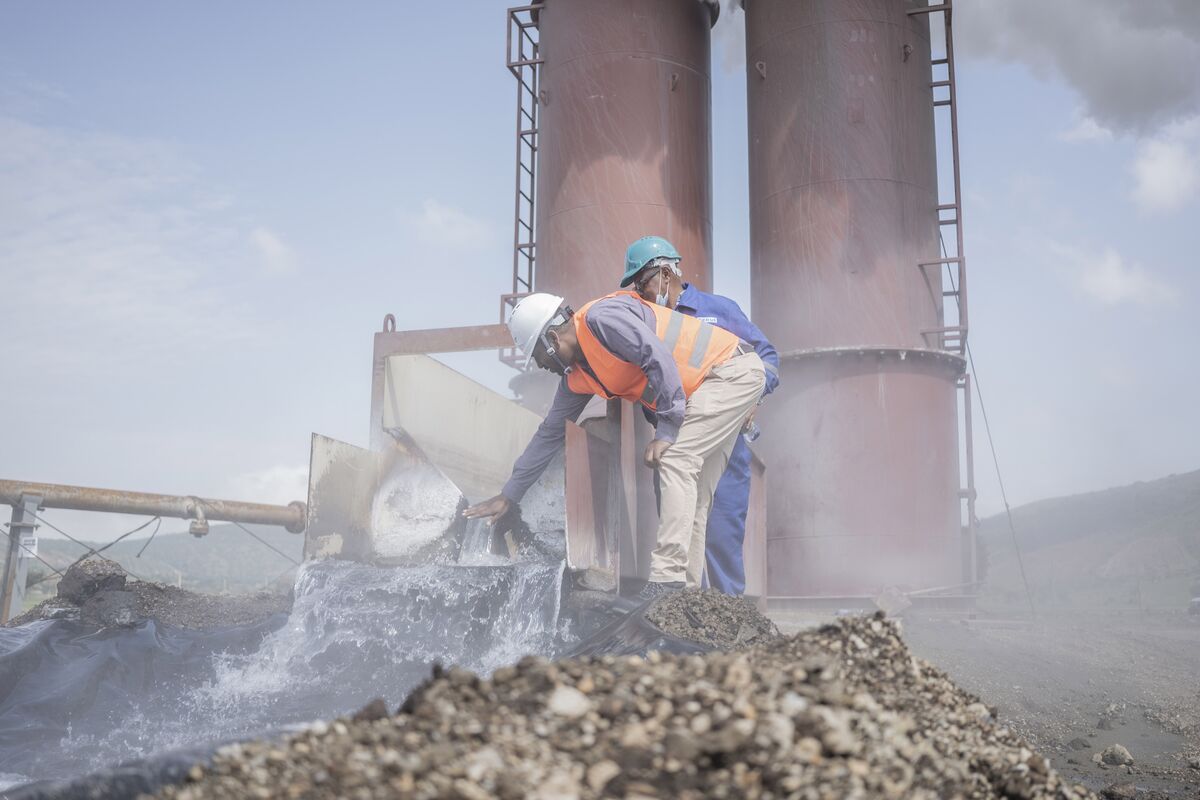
(652, 266)
(701, 381)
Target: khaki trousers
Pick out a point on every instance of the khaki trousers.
(691, 468)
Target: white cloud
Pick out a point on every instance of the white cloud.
(1166, 170)
(276, 256)
(1086, 129)
(116, 257)
(447, 228)
(280, 485)
(1106, 278)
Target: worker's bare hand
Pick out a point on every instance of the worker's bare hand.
(749, 419)
(491, 510)
(654, 452)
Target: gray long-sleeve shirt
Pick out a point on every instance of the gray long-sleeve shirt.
(626, 328)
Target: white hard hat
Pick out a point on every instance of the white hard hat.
(530, 318)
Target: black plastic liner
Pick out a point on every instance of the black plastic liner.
(63, 678)
(632, 634)
(76, 698)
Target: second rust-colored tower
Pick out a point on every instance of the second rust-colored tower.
(861, 439)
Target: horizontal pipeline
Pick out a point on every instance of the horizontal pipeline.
(293, 516)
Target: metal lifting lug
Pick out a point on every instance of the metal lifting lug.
(198, 526)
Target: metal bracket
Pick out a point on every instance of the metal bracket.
(18, 554)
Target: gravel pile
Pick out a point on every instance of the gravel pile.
(711, 618)
(97, 591)
(840, 712)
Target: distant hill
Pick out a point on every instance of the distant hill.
(227, 559)
(1131, 546)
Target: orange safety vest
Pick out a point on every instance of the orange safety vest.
(696, 345)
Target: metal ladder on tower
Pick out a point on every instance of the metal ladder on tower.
(952, 337)
(524, 62)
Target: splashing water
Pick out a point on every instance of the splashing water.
(73, 700)
(357, 632)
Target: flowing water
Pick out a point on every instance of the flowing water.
(74, 699)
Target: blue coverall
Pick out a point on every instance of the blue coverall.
(727, 518)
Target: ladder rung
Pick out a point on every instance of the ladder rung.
(528, 131)
(939, 61)
(936, 84)
(947, 206)
(525, 246)
(912, 12)
(941, 102)
(951, 221)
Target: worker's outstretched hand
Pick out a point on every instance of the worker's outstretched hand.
(654, 452)
(491, 510)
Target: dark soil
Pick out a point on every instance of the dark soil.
(98, 592)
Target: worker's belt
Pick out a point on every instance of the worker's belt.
(743, 348)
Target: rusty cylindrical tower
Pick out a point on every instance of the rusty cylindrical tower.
(625, 142)
(861, 439)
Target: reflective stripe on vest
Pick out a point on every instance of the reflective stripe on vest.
(695, 345)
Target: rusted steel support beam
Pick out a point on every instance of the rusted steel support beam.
(391, 342)
(83, 498)
(443, 340)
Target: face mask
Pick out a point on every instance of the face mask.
(664, 282)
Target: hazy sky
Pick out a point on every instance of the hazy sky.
(206, 210)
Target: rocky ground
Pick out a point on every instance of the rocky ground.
(843, 711)
(1076, 685)
(97, 591)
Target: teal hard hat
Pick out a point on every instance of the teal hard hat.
(642, 252)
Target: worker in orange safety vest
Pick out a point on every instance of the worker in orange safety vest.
(701, 381)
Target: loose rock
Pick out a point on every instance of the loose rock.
(1116, 755)
(567, 701)
(1119, 791)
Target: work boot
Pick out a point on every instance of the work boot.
(649, 592)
